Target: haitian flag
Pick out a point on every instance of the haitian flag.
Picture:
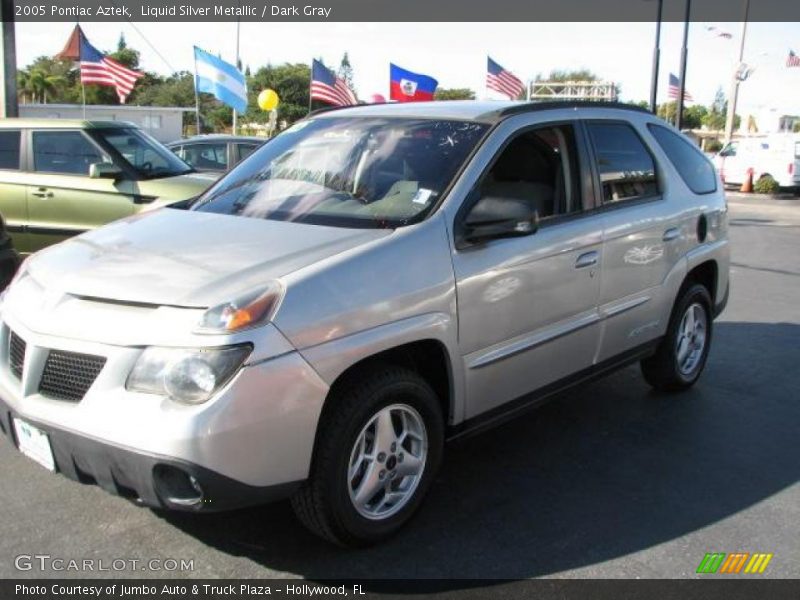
(406, 86)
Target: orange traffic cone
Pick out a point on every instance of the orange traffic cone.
(747, 186)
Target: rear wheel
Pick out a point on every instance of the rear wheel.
(681, 356)
(379, 446)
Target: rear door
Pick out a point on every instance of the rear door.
(62, 199)
(13, 186)
(643, 235)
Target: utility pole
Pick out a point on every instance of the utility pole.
(734, 93)
(656, 60)
(684, 58)
(8, 55)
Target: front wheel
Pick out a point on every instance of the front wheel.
(379, 446)
(682, 354)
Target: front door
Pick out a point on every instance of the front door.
(528, 305)
(62, 199)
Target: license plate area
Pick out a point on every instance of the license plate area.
(34, 443)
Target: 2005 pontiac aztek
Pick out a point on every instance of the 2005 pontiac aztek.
(370, 283)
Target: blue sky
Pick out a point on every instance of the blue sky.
(455, 53)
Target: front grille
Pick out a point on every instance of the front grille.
(16, 354)
(69, 375)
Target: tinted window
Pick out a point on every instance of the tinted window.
(9, 149)
(64, 152)
(695, 170)
(149, 158)
(348, 172)
(539, 168)
(246, 150)
(207, 157)
(625, 166)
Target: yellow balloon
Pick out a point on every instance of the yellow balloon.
(268, 100)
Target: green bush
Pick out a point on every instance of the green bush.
(713, 145)
(766, 185)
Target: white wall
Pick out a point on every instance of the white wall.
(163, 123)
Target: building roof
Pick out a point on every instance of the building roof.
(114, 107)
(15, 123)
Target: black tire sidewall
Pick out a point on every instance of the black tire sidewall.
(696, 293)
(409, 390)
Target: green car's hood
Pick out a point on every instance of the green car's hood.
(173, 189)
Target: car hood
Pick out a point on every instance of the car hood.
(180, 187)
(186, 258)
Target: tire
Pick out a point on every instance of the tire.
(336, 502)
(677, 362)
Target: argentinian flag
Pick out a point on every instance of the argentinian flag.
(223, 80)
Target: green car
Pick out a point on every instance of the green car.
(59, 178)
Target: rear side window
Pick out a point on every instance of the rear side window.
(692, 166)
(64, 152)
(9, 149)
(626, 168)
(207, 156)
(246, 150)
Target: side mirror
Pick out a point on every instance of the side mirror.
(104, 170)
(494, 217)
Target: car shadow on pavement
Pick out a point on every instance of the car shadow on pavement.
(605, 470)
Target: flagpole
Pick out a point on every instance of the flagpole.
(310, 80)
(83, 97)
(238, 21)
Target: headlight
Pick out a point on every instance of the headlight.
(190, 376)
(246, 311)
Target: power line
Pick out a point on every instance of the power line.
(144, 37)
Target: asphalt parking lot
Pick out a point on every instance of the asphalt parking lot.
(610, 480)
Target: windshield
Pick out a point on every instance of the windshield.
(143, 153)
(347, 172)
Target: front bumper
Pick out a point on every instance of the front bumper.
(148, 479)
(250, 443)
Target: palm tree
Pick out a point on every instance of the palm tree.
(36, 84)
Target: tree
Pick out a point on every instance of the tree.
(346, 71)
(290, 81)
(454, 94)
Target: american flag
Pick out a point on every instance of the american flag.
(674, 89)
(97, 68)
(792, 60)
(327, 87)
(500, 80)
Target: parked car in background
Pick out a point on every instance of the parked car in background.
(775, 155)
(374, 281)
(9, 258)
(215, 153)
(59, 178)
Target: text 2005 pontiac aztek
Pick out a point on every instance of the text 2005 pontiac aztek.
(370, 283)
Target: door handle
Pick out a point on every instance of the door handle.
(587, 259)
(42, 193)
(673, 233)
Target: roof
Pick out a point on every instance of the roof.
(220, 137)
(14, 123)
(469, 110)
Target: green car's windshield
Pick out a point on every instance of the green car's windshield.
(347, 172)
(143, 153)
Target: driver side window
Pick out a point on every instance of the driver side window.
(538, 168)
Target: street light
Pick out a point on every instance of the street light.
(734, 93)
(656, 58)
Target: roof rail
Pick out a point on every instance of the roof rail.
(534, 106)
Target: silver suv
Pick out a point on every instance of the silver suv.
(374, 281)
